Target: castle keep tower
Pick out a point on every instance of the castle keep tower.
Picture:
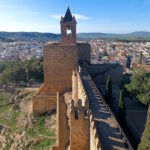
(68, 29)
(60, 60)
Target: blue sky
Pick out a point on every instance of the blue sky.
(110, 16)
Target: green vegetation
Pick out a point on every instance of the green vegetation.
(145, 141)
(3, 100)
(40, 127)
(44, 144)
(43, 131)
(8, 142)
(108, 95)
(28, 95)
(122, 109)
(17, 71)
(140, 86)
(39, 135)
(8, 117)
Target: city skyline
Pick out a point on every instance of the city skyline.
(92, 16)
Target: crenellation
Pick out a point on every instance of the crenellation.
(86, 104)
(79, 126)
(79, 107)
(95, 143)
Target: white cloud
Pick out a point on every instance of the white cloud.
(81, 17)
(78, 16)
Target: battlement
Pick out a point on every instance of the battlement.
(79, 125)
(81, 107)
(94, 138)
(81, 89)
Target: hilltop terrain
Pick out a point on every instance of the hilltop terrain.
(140, 35)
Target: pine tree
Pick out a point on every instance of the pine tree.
(122, 109)
(108, 96)
(145, 141)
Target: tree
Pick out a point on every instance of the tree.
(145, 141)
(17, 71)
(108, 95)
(122, 109)
(140, 86)
(36, 69)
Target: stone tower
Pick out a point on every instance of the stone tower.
(60, 59)
(140, 57)
(68, 29)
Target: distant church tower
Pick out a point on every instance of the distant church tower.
(68, 29)
(140, 57)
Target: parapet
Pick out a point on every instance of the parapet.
(95, 143)
(84, 52)
(52, 43)
(80, 110)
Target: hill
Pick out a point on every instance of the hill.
(140, 35)
(29, 36)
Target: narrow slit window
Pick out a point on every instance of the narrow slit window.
(85, 115)
(76, 115)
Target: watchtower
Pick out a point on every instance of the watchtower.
(68, 29)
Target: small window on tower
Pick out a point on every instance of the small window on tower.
(68, 31)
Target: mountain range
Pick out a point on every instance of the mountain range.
(140, 35)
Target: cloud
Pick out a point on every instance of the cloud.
(78, 16)
(81, 17)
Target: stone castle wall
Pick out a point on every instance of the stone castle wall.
(99, 132)
(62, 135)
(79, 127)
(94, 138)
(100, 72)
(84, 52)
(59, 62)
(44, 103)
(79, 121)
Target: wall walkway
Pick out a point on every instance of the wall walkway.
(108, 130)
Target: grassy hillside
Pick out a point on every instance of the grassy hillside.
(19, 129)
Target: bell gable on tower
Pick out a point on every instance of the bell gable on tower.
(68, 29)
